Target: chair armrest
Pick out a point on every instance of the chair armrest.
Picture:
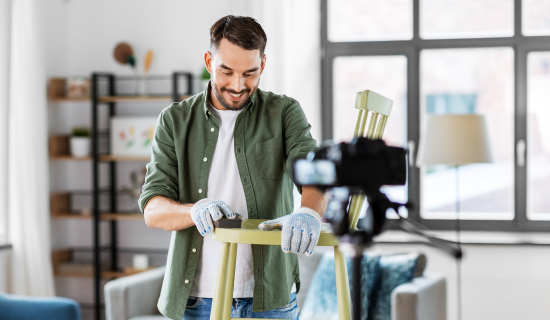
(133, 295)
(424, 298)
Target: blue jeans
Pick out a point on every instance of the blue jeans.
(199, 309)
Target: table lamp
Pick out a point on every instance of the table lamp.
(455, 140)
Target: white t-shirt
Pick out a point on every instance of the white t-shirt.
(224, 183)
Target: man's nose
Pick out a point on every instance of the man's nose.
(237, 83)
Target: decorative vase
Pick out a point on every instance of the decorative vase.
(80, 146)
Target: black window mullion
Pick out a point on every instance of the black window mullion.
(326, 77)
(413, 115)
(520, 126)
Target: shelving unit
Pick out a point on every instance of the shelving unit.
(61, 202)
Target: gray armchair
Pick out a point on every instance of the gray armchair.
(424, 298)
(134, 297)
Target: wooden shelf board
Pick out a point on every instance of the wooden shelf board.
(122, 216)
(102, 158)
(69, 157)
(102, 216)
(136, 98)
(124, 158)
(66, 99)
(104, 274)
(69, 215)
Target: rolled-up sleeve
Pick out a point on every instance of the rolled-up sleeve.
(161, 178)
(297, 137)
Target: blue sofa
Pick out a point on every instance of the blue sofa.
(13, 307)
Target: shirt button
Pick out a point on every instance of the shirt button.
(212, 129)
(200, 190)
(205, 159)
(245, 180)
(238, 150)
(186, 281)
(194, 250)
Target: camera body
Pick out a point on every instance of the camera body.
(362, 164)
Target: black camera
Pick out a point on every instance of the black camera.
(362, 164)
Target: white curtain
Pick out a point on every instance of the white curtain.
(293, 52)
(27, 162)
(5, 14)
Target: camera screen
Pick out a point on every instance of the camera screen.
(317, 172)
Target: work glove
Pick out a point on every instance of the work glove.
(301, 230)
(207, 210)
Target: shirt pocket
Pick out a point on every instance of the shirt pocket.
(270, 158)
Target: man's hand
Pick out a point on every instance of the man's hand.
(207, 210)
(301, 230)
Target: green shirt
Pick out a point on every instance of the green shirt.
(269, 133)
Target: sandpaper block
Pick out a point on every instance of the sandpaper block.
(228, 223)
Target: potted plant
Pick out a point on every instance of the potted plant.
(80, 142)
(205, 77)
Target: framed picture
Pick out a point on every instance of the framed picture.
(132, 136)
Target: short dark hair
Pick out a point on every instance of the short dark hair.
(244, 32)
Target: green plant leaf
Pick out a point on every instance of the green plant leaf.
(205, 75)
(81, 132)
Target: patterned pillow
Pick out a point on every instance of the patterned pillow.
(321, 301)
(394, 271)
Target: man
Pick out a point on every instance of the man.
(228, 152)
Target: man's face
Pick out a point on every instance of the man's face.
(234, 74)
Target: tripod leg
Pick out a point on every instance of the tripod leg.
(357, 286)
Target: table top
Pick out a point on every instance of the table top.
(249, 233)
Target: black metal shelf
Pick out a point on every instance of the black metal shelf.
(110, 99)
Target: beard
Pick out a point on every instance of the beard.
(233, 105)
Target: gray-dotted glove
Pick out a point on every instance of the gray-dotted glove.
(301, 230)
(207, 210)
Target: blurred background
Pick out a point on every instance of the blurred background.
(431, 57)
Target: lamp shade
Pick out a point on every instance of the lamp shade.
(455, 140)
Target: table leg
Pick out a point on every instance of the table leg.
(216, 312)
(342, 286)
(230, 281)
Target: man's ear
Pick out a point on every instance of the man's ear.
(263, 64)
(208, 61)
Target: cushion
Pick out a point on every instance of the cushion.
(394, 271)
(421, 263)
(321, 301)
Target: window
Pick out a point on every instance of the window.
(386, 75)
(450, 57)
(369, 20)
(478, 81)
(538, 135)
(452, 19)
(536, 20)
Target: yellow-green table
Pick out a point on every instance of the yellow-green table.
(249, 233)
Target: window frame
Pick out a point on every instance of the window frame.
(521, 45)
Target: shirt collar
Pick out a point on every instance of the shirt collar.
(207, 91)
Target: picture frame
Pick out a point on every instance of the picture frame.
(132, 136)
